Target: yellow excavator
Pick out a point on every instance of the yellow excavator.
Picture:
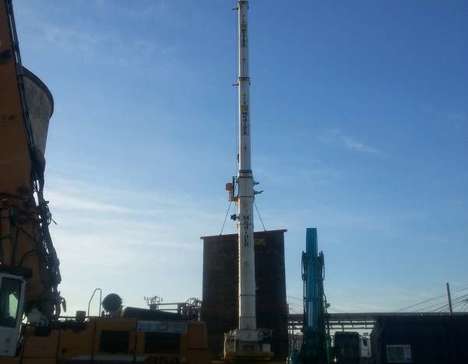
(31, 327)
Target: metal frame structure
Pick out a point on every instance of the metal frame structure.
(359, 320)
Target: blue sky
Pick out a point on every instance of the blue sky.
(360, 127)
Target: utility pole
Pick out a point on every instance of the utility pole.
(449, 296)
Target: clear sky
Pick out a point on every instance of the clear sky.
(360, 128)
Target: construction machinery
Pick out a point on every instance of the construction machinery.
(31, 327)
(247, 342)
(315, 339)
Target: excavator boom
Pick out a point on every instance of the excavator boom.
(26, 250)
(29, 268)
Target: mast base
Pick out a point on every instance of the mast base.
(247, 346)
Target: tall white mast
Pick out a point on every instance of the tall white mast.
(247, 342)
(245, 227)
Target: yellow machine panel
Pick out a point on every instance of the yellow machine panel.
(117, 340)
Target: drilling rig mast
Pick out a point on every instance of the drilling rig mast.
(315, 339)
(247, 341)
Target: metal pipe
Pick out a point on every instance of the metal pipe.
(449, 296)
(91, 299)
(245, 182)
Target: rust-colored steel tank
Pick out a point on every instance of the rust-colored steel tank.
(220, 288)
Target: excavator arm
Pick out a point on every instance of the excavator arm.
(29, 268)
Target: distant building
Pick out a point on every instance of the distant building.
(420, 339)
(220, 288)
